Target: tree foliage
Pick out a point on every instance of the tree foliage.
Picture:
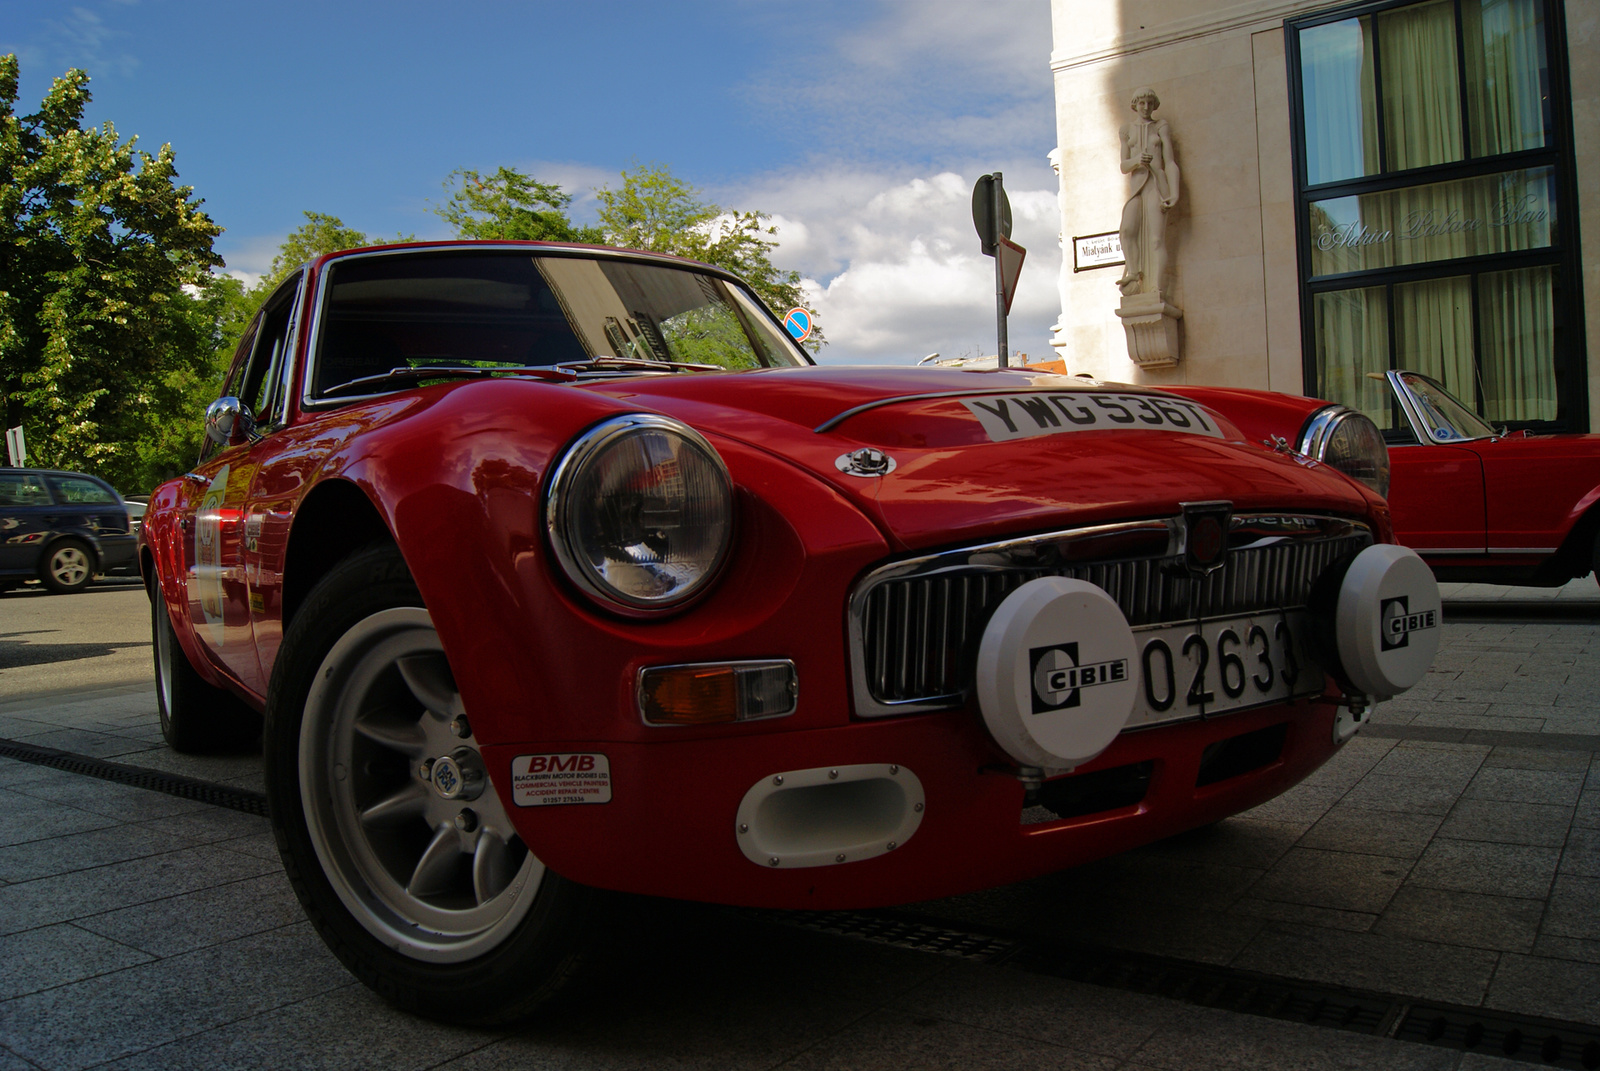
(107, 303)
(510, 205)
(320, 234)
(656, 210)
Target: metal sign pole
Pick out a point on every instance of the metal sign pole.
(999, 278)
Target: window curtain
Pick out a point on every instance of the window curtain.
(1421, 105)
(1517, 309)
(1352, 339)
(1506, 73)
(1340, 117)
(1433, 333)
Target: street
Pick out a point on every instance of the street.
(1442, 871)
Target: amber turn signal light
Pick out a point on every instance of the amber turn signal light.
(717, 693)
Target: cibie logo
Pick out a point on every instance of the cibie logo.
(1058, 679)
(1399, 622)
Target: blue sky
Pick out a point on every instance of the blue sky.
(859, 126)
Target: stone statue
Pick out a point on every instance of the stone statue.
(1148, 156)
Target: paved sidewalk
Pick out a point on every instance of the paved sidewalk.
(1450, 852)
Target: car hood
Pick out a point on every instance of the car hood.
(951, 480)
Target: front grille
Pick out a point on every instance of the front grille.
(916, 625)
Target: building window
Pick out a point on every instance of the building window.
(1434, 177)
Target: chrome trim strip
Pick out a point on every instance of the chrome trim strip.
(1157, 541)
(1413, 412)
(1462, 552)
(531, 249)
(1319, 428)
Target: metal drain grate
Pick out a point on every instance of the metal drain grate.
(234, 799)
(1547, 1042)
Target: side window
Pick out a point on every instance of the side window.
(22, 489)
(261, 385)
(76, 491)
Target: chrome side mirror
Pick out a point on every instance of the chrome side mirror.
(227, 417)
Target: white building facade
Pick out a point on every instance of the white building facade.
(1328, 191)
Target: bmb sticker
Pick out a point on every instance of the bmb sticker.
(554, 780)
(1058, 679)
(1399, 622)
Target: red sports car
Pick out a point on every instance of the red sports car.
(557, 569)
(1477, 503)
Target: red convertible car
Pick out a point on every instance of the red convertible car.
(556, 569)
(1477, 503)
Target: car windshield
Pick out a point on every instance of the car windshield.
(1445, 417)
(508, 310)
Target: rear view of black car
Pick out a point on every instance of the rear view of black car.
(61, 528)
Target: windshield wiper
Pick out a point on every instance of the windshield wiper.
(605, 363)
(449, 371)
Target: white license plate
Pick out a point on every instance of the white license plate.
(1212, 667)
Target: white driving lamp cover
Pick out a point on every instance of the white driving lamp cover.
(1056, 672)
(1387, 621)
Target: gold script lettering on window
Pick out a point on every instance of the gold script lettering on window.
(1440, 221)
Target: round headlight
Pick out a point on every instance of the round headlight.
(1351, 443)
(640, 513)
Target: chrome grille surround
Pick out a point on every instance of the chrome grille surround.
(915, 624)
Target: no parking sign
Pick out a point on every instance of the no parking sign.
(797, 322)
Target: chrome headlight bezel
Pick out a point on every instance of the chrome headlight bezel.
(1333, 424)
(562, 519)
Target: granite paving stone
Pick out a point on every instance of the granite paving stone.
(56, 955)
(1573, 948)
(122, 802)
(1372, 961)
(1582, 855)
(1560, 787)
(30, 819)
(1372, 832)
(1508, 822)
(1303, 804)
(60, 898)
(1550, 988)
(894, 1040)
(209, 916)
(1343, 881)
(1533, 758)
(1284, 911)
(1518, 870)
(81, 851)
(1445, 765)
(91, 1022)
(346, 1027)
(1407, 795)
(1447, 916)
(1574, 909)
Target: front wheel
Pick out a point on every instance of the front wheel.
(393, 837)
(68, 566)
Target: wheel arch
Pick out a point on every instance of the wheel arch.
(1575, 557)
(332, 522)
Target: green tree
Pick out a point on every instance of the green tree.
(656, 210)
(103, 256)
(320, 234)
(510, 205)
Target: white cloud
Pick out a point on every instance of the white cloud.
(893, 268)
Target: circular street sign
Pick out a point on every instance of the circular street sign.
(798, 323)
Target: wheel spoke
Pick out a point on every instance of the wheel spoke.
(437, 867)
(405, 737)
(491, 867)
(408, 802)
(428, 677)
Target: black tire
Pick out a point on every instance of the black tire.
(196, 718)
(67, 566)
(454, 920)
